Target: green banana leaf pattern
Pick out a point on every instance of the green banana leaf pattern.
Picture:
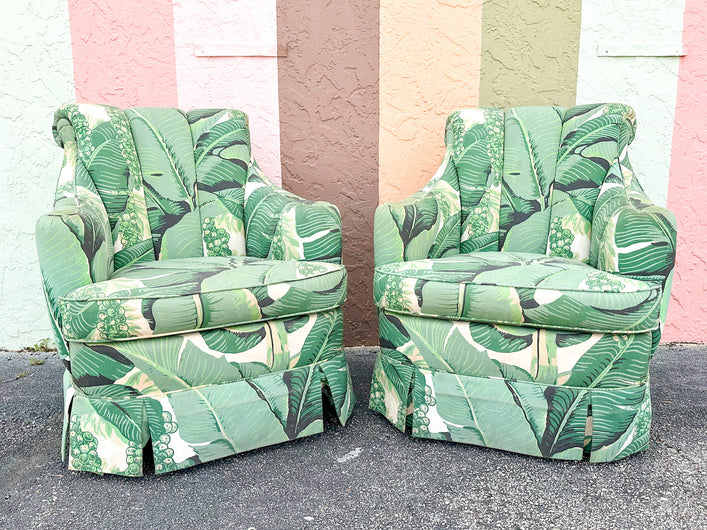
(166, 154)
(229, 390)
(74, 241)
(475, 140)
(555, 394)
(282, 226)
(593, 137)
(425, 225)
(222, 155)
(631, 236)
(537, 337)
(519, 288)
(180, 295)
(531, 141)
(205, 358)
(106, 152)
(178, 327)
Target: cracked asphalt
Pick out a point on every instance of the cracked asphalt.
(364, 475)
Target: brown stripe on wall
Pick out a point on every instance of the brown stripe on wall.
(529, 53)
(328, 96)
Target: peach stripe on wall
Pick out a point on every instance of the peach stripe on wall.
(123, 52)
(226, 58)
(687, 193)
(429, 66)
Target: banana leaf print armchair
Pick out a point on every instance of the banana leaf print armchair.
(521, 292)
(196, 305)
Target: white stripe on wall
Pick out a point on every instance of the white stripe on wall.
(647, 83)
(37, 76)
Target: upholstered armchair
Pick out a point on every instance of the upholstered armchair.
(521, 292)
(195, 304)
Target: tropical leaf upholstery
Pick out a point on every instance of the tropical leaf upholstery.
(523, 314)
(189, 294)
(519, 288)
(195, 304)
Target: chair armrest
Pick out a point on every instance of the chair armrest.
(75, 248)
(283, 226)
(424, 225)
(630, 235)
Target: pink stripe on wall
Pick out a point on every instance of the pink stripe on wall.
(123, 52)
(687, 192)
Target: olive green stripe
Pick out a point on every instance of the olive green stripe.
(529, 53)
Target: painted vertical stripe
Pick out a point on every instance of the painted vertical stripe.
(429, 66)
(529, 53)
(687, 194)
(648, 84)
(124, 52)
(236, 66)
(37, 76)
(328, 85)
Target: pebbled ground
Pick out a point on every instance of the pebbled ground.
(364, 475)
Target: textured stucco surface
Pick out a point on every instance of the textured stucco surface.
(429, 66)
(128, 53)
(245, 83)
(37, 76)
(648, 84)
(529, 52)
(328, 86)
(687, 196)
(124, 52)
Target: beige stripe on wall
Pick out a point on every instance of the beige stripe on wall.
(429, 66)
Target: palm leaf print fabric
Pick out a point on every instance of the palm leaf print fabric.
(106, 152)
(475, 137)
(519, 288)
(230, 390)
(425, 225)
(196, 305)
(281, 225)
(178, 295)
(535, 333)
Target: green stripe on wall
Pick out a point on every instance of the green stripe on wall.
(529, 53)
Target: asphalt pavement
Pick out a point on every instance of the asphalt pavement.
(364, 475)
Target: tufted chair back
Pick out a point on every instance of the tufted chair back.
(172, 183)
(529, 177)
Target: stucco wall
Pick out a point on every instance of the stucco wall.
(646, 83)
(687, 195)
(429, 67)
(248, 83)
(329, 130)
(529, 52)
(124, 52)
(37, 76)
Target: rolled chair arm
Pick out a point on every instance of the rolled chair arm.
(75, 248)
(630, 235)
(283, 226)
(424, 225)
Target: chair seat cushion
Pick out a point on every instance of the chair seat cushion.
(519, 288)
(187, 294)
